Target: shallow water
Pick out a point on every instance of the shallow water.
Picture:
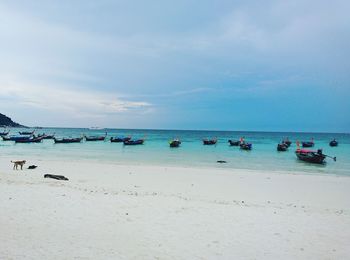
(156, 150)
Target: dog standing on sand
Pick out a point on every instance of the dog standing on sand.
(18, 163)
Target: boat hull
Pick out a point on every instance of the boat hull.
(282, 147)
(67, 140)
(234, 143)
(174, 143)
(333, 143)
(246, 146)
(136, 142)
(209, 142)
(120, 139)
(310, 156)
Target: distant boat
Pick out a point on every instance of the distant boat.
(175, 143)
(45, 136)
(27, 133)
(310, 156)
(4, 133)
(282, 147)
(234, 143)
(67, 140)
(333, 143)
(134, 142)
(210, 141)
(31, 139)
(95, 138)
(96, 128)
(120, 139)
(287, 142)
(15, 138)
(308, 144)
(246, 146)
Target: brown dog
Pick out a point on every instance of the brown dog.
(18, 163)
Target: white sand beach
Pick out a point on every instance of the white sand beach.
(108, 211)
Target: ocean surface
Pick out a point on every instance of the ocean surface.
(192, 152)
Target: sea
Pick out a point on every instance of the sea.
(192, 153)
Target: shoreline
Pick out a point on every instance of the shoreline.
(6, 160)
(110, 211)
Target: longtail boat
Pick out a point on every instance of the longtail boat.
(287, 142)
(282, 147)
(45, 136)
(310, 156)
(210, 141)
(234, 142)
(31, 139)
(4, 133)
(333, 143)
(67, 140)
(120, 139)
(15, 138)
(27, 133)
(246, 146)
(95, 138)
(308, 144)
(175, 143)
(134, 142)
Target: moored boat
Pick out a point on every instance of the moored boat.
(134, 142)
(31, 139)
(4, 133)
(120, 139)
(15, 138)
(333, 143)
(234, 143)
(46, 136)
(282, 147)
(67, 140)
(95, 138)
(175, 143)
(210, 141)
(27, 132)
(310, 156)
(246, 146)
(287, 142)
(308, 144)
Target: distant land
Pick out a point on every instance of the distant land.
(6, 121)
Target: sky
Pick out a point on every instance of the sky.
(185, 64)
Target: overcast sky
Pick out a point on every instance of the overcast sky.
(229, 65)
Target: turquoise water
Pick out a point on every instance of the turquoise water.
(156, 150)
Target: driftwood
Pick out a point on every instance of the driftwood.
(57, 177)
(31, 167)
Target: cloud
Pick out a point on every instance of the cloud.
(71, 102)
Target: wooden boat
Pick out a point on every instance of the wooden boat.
(134, 142)
(175, 143)
(27, 133)
(311, 156)
(67, 140)
(120, 139)
(15, 138)
(308, 144)
(246, 146)
(210, 141)
(95, 138)
(45, 136)
(234, 143)
(282, 147)
(4, 133)
(333, 143)
(287, 142)
(31, 139)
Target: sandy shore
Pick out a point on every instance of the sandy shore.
(108, 211)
